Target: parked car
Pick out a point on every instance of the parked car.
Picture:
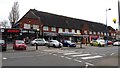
(3, 45)
(98, 42)
(19, 44)
(40, 41)
(54, 43)
(110, 42)
(68, 43)
(116, 43)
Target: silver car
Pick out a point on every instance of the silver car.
(39, 41)
(54, 43)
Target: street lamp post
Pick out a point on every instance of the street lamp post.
(37, 33)
(37, 37)
(106, 27)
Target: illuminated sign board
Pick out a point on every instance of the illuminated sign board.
(13, 31)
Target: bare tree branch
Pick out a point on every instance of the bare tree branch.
(14, 14)
(4, 24)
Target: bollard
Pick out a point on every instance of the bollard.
(36, 46)
(80, 45)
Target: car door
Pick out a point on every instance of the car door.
(51, 43)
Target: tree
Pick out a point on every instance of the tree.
(14, 14)
(4, 24)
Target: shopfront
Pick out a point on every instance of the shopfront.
(10, 34)
(29, 34)
(50, 35)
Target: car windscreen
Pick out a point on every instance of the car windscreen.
(20, 42)
(102, 41)
(68, 41)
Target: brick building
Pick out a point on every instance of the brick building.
(52, 26)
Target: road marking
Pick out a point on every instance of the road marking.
(103, 54)
(66, 51)
(4, 58)
(68, 58)
(62, 56)
(70, 53)
(77, 60)
(80, 55)
(50, 53)
(89, 64)
(112, 54)
(55, 54)
(91, 57)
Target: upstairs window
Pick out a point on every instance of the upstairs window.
(78, 31)
(94, 32)
(98, 33)
(26, 26)
(35, 26)
(45, 28)
(73, 30)
(60, 30)
(66, 30)
(90, 32)
(53, 29)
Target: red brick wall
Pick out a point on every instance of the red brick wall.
(29, 21)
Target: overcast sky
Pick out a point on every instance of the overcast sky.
(92, 10)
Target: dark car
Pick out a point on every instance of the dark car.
(3, 45)
(68, 43)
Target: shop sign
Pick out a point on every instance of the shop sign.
(24, 31)
(32, 32)
(12, 31)
(50, 34)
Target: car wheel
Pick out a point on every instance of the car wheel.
(99, 45)
(24, 48)
(54, 45)
(45, 44)
(91, 44)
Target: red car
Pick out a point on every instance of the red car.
(110, 43)
(19, 44)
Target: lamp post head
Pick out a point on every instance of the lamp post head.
(108, 9)
(37, 29)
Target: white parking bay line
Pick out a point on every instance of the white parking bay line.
(77, 60)
(70, 53)
(4, 58)
(80, 55)
(91, 57)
